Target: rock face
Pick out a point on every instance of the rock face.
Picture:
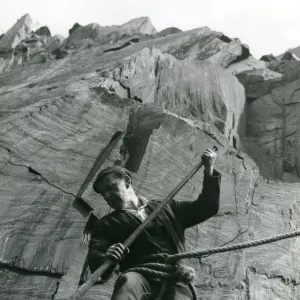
(57, 116)
(258, 82)
(199, 91)
(273, 117)
(17, 33)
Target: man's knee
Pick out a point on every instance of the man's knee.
(131, 279)
(131, 286)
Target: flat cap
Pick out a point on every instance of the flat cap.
(112, 169)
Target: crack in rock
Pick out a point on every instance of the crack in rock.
(56, 290)
(32, 171)
(27, 272)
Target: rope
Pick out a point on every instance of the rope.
(164, 268)
(254, 243)
(156, 268)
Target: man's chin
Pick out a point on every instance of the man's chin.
(118, 208)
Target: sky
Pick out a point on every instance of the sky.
(266, 26)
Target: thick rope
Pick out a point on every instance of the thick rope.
(164, 269)
(162, 266)
(154, 266)
(254, 243)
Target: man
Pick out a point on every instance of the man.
(165, 234)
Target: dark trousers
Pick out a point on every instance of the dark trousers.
(134, 286)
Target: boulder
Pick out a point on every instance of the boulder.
(258, 82)
(59, 53)
(141, 25)
(247, 64)
(268, 58)
(54, 42)
(74, 27)
(21, 45)
(17, 33)
(167, 31)
(204, 44)
(290, 56)
(43, 31)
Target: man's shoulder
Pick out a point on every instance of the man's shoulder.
(107, 218)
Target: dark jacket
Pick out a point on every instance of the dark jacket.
(117, 226)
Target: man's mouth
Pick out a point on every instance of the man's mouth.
(114, 201)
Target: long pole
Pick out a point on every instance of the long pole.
(108, 262)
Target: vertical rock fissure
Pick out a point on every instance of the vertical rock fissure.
(283, 154)
(56, 290)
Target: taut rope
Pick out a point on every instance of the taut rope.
(164, 266)
(249, 244)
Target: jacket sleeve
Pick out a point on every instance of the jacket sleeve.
(190, 213)
(101, 240)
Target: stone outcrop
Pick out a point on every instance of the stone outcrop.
(54, 42)
(273, 116)
(290, 56)
(10, 40)
(258, 82)
(200, 44)
(74, 27)
(56, 118)
(268, 58)
(20, 45)
(17, 33)
(198, 91)
(44, 31)
(167, 31)
(82, 36)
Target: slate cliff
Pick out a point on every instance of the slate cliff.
(176, 95)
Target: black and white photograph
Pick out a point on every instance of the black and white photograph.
(149, 150)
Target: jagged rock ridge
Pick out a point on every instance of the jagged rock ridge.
(200, 44)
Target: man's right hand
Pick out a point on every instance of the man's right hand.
(116, 252)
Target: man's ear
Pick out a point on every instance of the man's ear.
(127, 180)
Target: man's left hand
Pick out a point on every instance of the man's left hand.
(208, 159)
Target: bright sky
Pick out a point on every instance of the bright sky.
(267, 26)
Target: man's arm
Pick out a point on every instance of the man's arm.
(100, 242)
(102, 246)
(190, 213)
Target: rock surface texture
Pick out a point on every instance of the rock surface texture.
(273, 122)
(56, 117)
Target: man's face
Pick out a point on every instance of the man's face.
(114, 191)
